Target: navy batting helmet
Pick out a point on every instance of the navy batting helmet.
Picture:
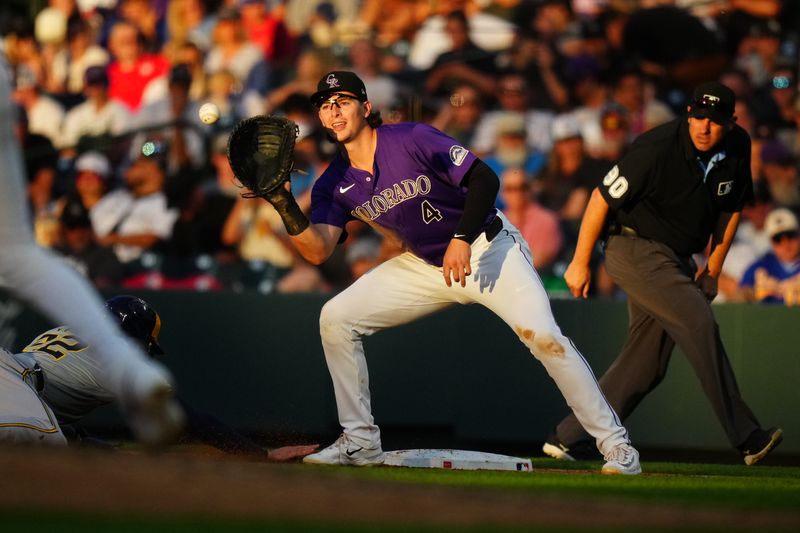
(138, 320)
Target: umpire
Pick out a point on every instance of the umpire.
(679, 184)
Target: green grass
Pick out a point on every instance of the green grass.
(695, 485)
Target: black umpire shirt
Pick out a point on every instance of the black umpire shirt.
(662, 190)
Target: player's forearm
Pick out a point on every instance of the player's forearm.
(317, 242)
(591, 226)
(721, 242)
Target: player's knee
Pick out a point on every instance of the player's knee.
(543, 344)
(19, 264)
(333, 317)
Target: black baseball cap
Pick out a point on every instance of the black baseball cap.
(75, 215)
(713, 100)
(96, 75)
(181, 75)
(339, 81)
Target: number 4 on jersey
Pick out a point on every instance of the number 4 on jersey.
(430, 213)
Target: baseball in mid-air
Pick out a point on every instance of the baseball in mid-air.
(209, 113)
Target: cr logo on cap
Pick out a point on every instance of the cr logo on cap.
(332, 81)
(711, 99)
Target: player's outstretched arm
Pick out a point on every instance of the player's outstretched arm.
(578, 275)
(317, 242)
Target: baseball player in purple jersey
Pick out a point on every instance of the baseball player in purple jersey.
(143, 386)
(413, 183)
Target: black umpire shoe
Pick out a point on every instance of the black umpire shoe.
(579, 451)
(759, 444)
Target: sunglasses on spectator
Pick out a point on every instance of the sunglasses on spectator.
(778, 237)
(782, 82)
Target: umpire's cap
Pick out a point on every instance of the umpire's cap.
(339, 81)
(712, 100)
(138, 320)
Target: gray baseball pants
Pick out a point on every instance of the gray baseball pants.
(665, 308)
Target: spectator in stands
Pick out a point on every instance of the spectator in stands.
(71, 63)
(779, 171)
(267, 30)
(759, 50)
(79, 248)
(50, 30)
(92, 123)
(531, 57)
(151, 24)
(794, 143)
(773, 103)
(513, 95)
(486, 30)
(569, 176)
(738, 81)
(459, 115)
(231, 51)
(255, 228)
(189, 21)
(364, 253)
(511, 149)
(539, 225)
(589, 95)
(644, 112)
(310, 68)
(364, 60)
(23, 52)
(552, 19)
(464, 62)
(40, 159)
(174, 121)
(744, 116)
(301, 15)
(223, 92)
(198, 228)
(44, 114)
(92, 178)
(193, 57)
(614, 135)
(131, 70)
(392, 22)
(136, 218)
(775, 277)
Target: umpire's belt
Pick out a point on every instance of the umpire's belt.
(625, 231)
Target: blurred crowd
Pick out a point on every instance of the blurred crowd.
(133, 189)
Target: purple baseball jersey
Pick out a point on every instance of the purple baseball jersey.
(415, 190)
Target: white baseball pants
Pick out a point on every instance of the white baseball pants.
(24, 417)
(406, 288)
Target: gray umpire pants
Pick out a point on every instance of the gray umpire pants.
(665, 308)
